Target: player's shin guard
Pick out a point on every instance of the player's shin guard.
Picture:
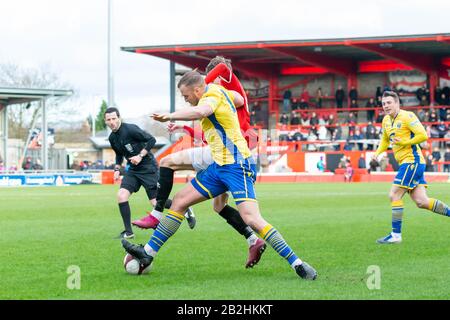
(439, 207)
(125, 212)
(397, 216)
(232, 216)
(166, 228)
(275, 239)
(165, 184)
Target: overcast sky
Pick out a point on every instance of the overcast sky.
(71, 35)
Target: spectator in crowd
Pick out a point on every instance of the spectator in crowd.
(320, 165)
(438, 95)
(373, 165)
(429, 162)
(378, 94)
(351, 122)
(379, 103)
(354, 105)
(384, 161)
(331, 122)
(442, 130)
(380, 116)
(443, 111)
(370, 113)
(253, 118)
(304, 121)
(424, 101)
(314, 119)
(420, 92)
(303, 104)
(319, 96)
(339, 96)
(109, 165)
(27, 165)
(421, 115)
(361, 162)
(433, 118)
(295, 119)
(336, 136)
(256, 106)
(353, 94)
(2, 166)
(447, 159)
(287, 100)
(371, 134)
(358, 136)
(284, 119)
(446, 91)
(37, 165)
(311, 138)
(305, 96)
(322, 132)
(342, 162)
(436, 154)
(295, 104)
(447, 117)
(348, 175)
(427, 95)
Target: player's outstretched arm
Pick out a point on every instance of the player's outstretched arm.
(191, 113)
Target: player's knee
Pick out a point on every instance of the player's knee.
(219, 204)
(178, 204)
(167, 162)
(422, 203)
(394, 196)
(122, 195)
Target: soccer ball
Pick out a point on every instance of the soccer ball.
(132, 265)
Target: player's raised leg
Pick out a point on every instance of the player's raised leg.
(395, 195)
(419, 196)
(233, 218)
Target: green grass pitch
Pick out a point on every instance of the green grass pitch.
(331, 226)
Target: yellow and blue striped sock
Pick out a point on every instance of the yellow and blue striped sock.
(275, 239)
(166, 228)
(397, 215)
(439, 207)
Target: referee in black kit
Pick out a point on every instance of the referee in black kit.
(134, 144)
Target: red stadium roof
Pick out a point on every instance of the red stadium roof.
(346, 56)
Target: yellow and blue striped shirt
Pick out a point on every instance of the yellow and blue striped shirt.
(222, 130)
(405, 126)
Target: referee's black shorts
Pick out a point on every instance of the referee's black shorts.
(133, 180)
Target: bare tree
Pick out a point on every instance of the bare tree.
(22, 115)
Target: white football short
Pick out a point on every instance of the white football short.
(200, 158)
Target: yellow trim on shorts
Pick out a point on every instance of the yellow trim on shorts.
(246, 199)
(203, 187)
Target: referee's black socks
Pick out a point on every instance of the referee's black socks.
(234, 219)
(165, 184)
(125, 212)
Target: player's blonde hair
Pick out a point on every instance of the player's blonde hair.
(191, 78)
(217, 60)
